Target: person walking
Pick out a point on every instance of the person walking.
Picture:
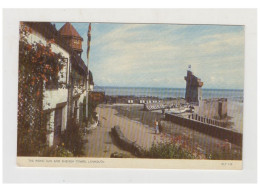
(156, 127)
(97, 117)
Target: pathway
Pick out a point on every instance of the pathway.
(100, 142)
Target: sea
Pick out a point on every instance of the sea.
(231, 94)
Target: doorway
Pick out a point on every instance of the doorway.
(57, 126)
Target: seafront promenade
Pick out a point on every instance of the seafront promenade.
(100, 142)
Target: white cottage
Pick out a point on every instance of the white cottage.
(62, 101)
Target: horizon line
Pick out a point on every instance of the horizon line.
(163, 87)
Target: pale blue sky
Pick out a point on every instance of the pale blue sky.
(158, 55)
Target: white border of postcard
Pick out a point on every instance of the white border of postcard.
(158, 170)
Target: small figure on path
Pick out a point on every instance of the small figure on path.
(163, 113)
(160, 126)
(97, 117)
(156, 127)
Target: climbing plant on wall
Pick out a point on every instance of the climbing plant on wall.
(38, 64)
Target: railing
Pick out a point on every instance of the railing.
(206, 120)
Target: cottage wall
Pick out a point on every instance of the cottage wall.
(80, 105)
(55, 101)
(64, 118)
(56, 98)
(50, 128)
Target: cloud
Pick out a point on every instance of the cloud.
(157, 55)
(150, 55)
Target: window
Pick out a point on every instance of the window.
(52, 84)
(63, 72)
(76, 42)
(76, 109)
(62, 77)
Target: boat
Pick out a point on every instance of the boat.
(177, 110)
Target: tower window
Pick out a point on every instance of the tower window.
(76, 42)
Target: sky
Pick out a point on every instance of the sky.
(158, 55)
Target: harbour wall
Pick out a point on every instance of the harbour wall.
(209, 129)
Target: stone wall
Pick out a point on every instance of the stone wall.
(124, 142)
(209, 129)
(213, 108)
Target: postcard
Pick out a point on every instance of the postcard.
(91, 94)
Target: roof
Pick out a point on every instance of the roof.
(69, 31)
(49, 31)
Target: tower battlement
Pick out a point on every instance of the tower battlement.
(193, 88)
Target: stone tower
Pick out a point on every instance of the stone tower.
(72, 37)
(193, 88)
